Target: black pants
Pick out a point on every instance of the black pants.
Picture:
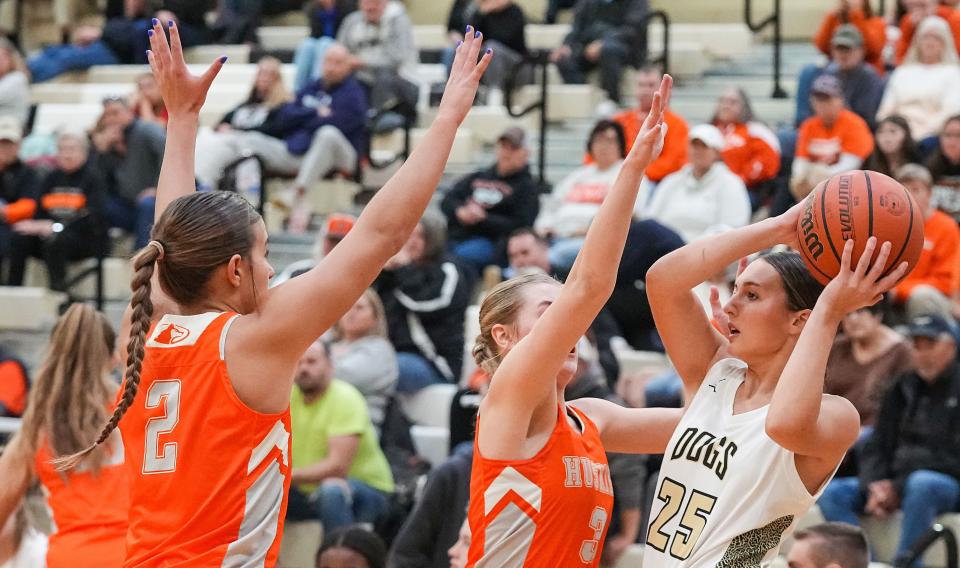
(56, 251)
(613, 58)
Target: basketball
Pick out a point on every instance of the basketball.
(857, 205)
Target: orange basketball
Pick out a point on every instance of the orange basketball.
(857, 205)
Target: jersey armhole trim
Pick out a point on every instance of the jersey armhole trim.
(223, 336)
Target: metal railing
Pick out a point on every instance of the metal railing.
(664, 58)
(774, 20)
(928, 539)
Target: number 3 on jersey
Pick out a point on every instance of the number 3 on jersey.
(692, 522)
(157, 459)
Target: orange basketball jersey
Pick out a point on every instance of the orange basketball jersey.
(89, 509)
(550, 510)
(209, 476)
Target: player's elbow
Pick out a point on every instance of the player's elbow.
(785, 431)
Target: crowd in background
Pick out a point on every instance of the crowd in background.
(884, 98)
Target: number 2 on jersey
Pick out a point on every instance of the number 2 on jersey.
(692, 522)
(163, 459)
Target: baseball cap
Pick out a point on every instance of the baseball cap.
(827, 84)
(515, 135)
(709, 134)
(847, 35)
(932, 326)
(10, 129)
(339, 224)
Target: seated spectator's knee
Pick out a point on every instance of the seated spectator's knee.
(335, 488)
(327, 133)
(613, 49)
(926, 482)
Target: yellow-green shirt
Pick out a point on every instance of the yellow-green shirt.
(340, 411)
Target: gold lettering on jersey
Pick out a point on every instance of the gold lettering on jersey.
(703, 447)
(584, 472)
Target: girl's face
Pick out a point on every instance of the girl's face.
(861, 324)
(259, 268)
(267, 76)
(729, 107)
(605, 148)
(890, 138)
(760, 320)
(950, 141)
(339, 557)
(359, 320)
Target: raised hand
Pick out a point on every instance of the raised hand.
(864, 285)
(465, 76)
(649, 141)
(183, 92)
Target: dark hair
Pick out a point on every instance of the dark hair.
(198, 233)
(801, 287)
(938, 162)
(867, 12)
(359, 540)
(880, 308)
(523, 231)
(837, 543)
(878, 162)
(602, 126)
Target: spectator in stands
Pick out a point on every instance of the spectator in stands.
(339, 473)
(88, 47)
(750, 149)
(459, 552)
(362, 355)
(333, 231)
(945, 168)
(626, 470)
(433, 528)
(865, 360)
(70, 221)
(484, 207)
(933, 282)
(647, 241)
(425, 295)
(912, 460)
(870, 26)
(258, 113)
(554, 7)
(352, 547)
(575, 200)
(14, 385)
(831, 141)
(704, 195)
(528, 251)
(379, 37)
(923, 88)
(862, 86)
(894, 146)
(129, 152)
(836, 545)
(502, 24)
(916, 12)
(146, 101)
(325, 19)
(674, 154)
(14, 83)
(609, 34)
(19, 186)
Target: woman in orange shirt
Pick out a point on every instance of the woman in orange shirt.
(208, 441)
(70, 399)
(871, 26)
(540, 488)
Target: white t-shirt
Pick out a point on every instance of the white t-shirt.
(727, 494)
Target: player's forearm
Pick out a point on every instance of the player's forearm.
(177, 171)
(319, 471)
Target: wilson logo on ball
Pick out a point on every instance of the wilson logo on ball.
(845, 209)
(810, 237)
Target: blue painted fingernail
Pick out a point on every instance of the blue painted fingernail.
(459, 42)
(170, 23)
(223, 59)
(155, 21)
(489, 50)
(477, 34)
(469, 28)
(150, 33)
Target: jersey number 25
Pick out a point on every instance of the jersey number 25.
(692, 523)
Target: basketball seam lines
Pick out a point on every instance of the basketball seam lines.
(906, 241)
(866, 176)
(826, 225)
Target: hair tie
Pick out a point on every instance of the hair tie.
(159, 246)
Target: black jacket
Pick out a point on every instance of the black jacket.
(434, 524)
(505, 26)
(620, 20)
(918, 427)
(86, 217)
(511, 202)
(425, 306)
(18, 181)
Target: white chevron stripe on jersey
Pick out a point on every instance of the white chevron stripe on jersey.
(511, 480)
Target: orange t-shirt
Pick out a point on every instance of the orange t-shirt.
(873, 29)
(550, 510)
(939, 264)
(89, 510)
(13, 387)
(674, 154)
(751, 151)
(908, 27)
(823, 145)
(209, 476)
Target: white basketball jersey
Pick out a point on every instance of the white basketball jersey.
(727, 494)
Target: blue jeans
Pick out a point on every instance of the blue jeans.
(926, 494)
(58, 59)
(136, 219)
(416, 373)
(563, 252)
(479, 252)
(308, 60)
(664, 391)
(337, 503)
